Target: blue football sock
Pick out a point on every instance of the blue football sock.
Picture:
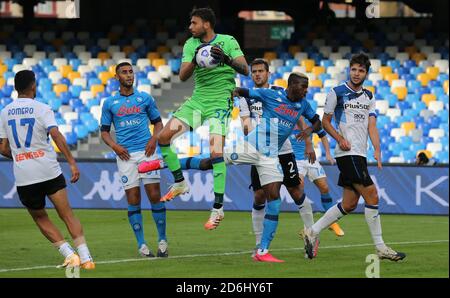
(159, 216)
(327, 201)
(189, 163)
(270, 223)
(135, 219)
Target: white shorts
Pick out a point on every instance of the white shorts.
(128, 170)
(269, 168)
(312, 171)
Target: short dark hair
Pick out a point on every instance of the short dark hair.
(259, 61)
(361, 59)
(206, 14)
(121, 65)
(296, 76)
(423, 158)
(23, 80)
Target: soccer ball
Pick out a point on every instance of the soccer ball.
(204, 58)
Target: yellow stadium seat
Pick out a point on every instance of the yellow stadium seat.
(59, 88)
(280, 82)
(445, 86)
(401, 92)
(411, 50)
(418, 57)
(128, 50)
(427, 98)
(390, 77)
(193, 150)
(433, 72)
(105, 76)
(308, 64)
(316, 139)
(103, 56)
(65, 70)
(113, 37)
(371, 89)
(424, 78)
(73, 75)
(269, 56)
(112, 70)
(158, 62)
(318, 70)
(384, 70)
(153, 55)
(294, 49)
(407, 126)
(96, 89)
(3, 69)
(2, 82)
(315, 83)
(427, 153)
(162, 49)
(369, 44)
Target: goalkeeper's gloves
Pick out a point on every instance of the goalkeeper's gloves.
(194, 59)
(218, 54)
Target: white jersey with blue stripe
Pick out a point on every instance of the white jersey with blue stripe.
(279, 117)
(252, 108)
(351, 110)
(26, 124)
(130, 116)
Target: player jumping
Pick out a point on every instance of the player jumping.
(211, 100)
(354, 111)
(24, 129)
(130, 112)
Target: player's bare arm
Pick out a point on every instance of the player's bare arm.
(60, 142)
(246, 123)
(326, 146)
(151, 145)
(375, 139)
(310, 154)
(5, 150)
(308, 130)
(343, 143)
(186, 70)
(118, 149)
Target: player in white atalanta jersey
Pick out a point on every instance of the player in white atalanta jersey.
(25, 126)
(354, 111)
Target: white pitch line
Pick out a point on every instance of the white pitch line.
(224, 254)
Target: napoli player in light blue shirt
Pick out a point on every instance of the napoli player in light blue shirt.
(131, 113)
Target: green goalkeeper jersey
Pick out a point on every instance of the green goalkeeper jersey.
(213, 87)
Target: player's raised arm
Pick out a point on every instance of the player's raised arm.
(189, 61)
(61, 143)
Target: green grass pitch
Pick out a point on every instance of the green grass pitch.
(226, 251)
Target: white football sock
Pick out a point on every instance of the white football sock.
(332, 215)
(374, 222)
(83, 252)
(258, 220)
(65, 249)
(305, 211)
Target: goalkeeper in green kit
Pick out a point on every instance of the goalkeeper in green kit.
(211, 100)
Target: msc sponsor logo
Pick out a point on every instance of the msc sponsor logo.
(131, 122)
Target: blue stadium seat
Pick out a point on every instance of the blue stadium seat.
(175, 65)
(5, 101)
(92, 125)
(65, 97)
(392, 99)
(415, 147)
(442, 157)
(71, 138)
(92, 102)
(408, 156)
(409, 63)
(434, 121)
(75, 90)
(55, 103)
(395, 148)
(406, 142)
